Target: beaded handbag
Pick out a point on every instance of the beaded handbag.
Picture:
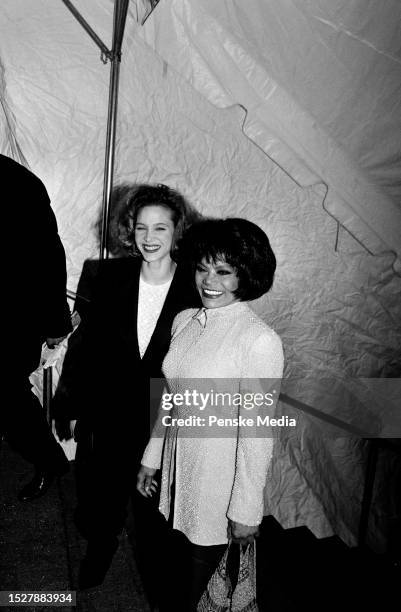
(222, 594)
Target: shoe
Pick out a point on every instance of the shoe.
(39, 485)
(95, 565)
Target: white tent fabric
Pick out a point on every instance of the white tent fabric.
(320, 82)
(320, 138)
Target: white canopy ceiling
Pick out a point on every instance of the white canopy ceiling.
(320, 84)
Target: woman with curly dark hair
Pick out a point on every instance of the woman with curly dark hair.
(214, 459)
(124, 337)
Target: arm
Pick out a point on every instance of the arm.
(152, 456)
(262, 374)
(66, 404)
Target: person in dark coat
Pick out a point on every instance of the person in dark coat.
(124, 336)
(36, 310)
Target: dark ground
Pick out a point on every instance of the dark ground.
(40, 550)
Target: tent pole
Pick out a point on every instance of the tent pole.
(120, 14)
(87, 27)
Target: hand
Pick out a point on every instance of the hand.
(52, 342)
(241, 534)
(145, 483)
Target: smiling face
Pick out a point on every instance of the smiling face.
(154, 231)
(216, 281)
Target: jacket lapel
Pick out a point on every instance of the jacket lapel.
(127, 313)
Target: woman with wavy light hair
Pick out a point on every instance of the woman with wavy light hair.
(124, 337)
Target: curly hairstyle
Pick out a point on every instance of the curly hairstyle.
(117, 203)
(136, 196)
(241, 244)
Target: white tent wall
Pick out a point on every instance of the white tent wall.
(337, 312)
(321, 83)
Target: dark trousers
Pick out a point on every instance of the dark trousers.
(203, 561)
(106, 487)
(187, 570)
(24, 426)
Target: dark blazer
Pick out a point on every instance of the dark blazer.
(108, 387)
(34, 278)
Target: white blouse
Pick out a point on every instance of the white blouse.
(150, 303)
